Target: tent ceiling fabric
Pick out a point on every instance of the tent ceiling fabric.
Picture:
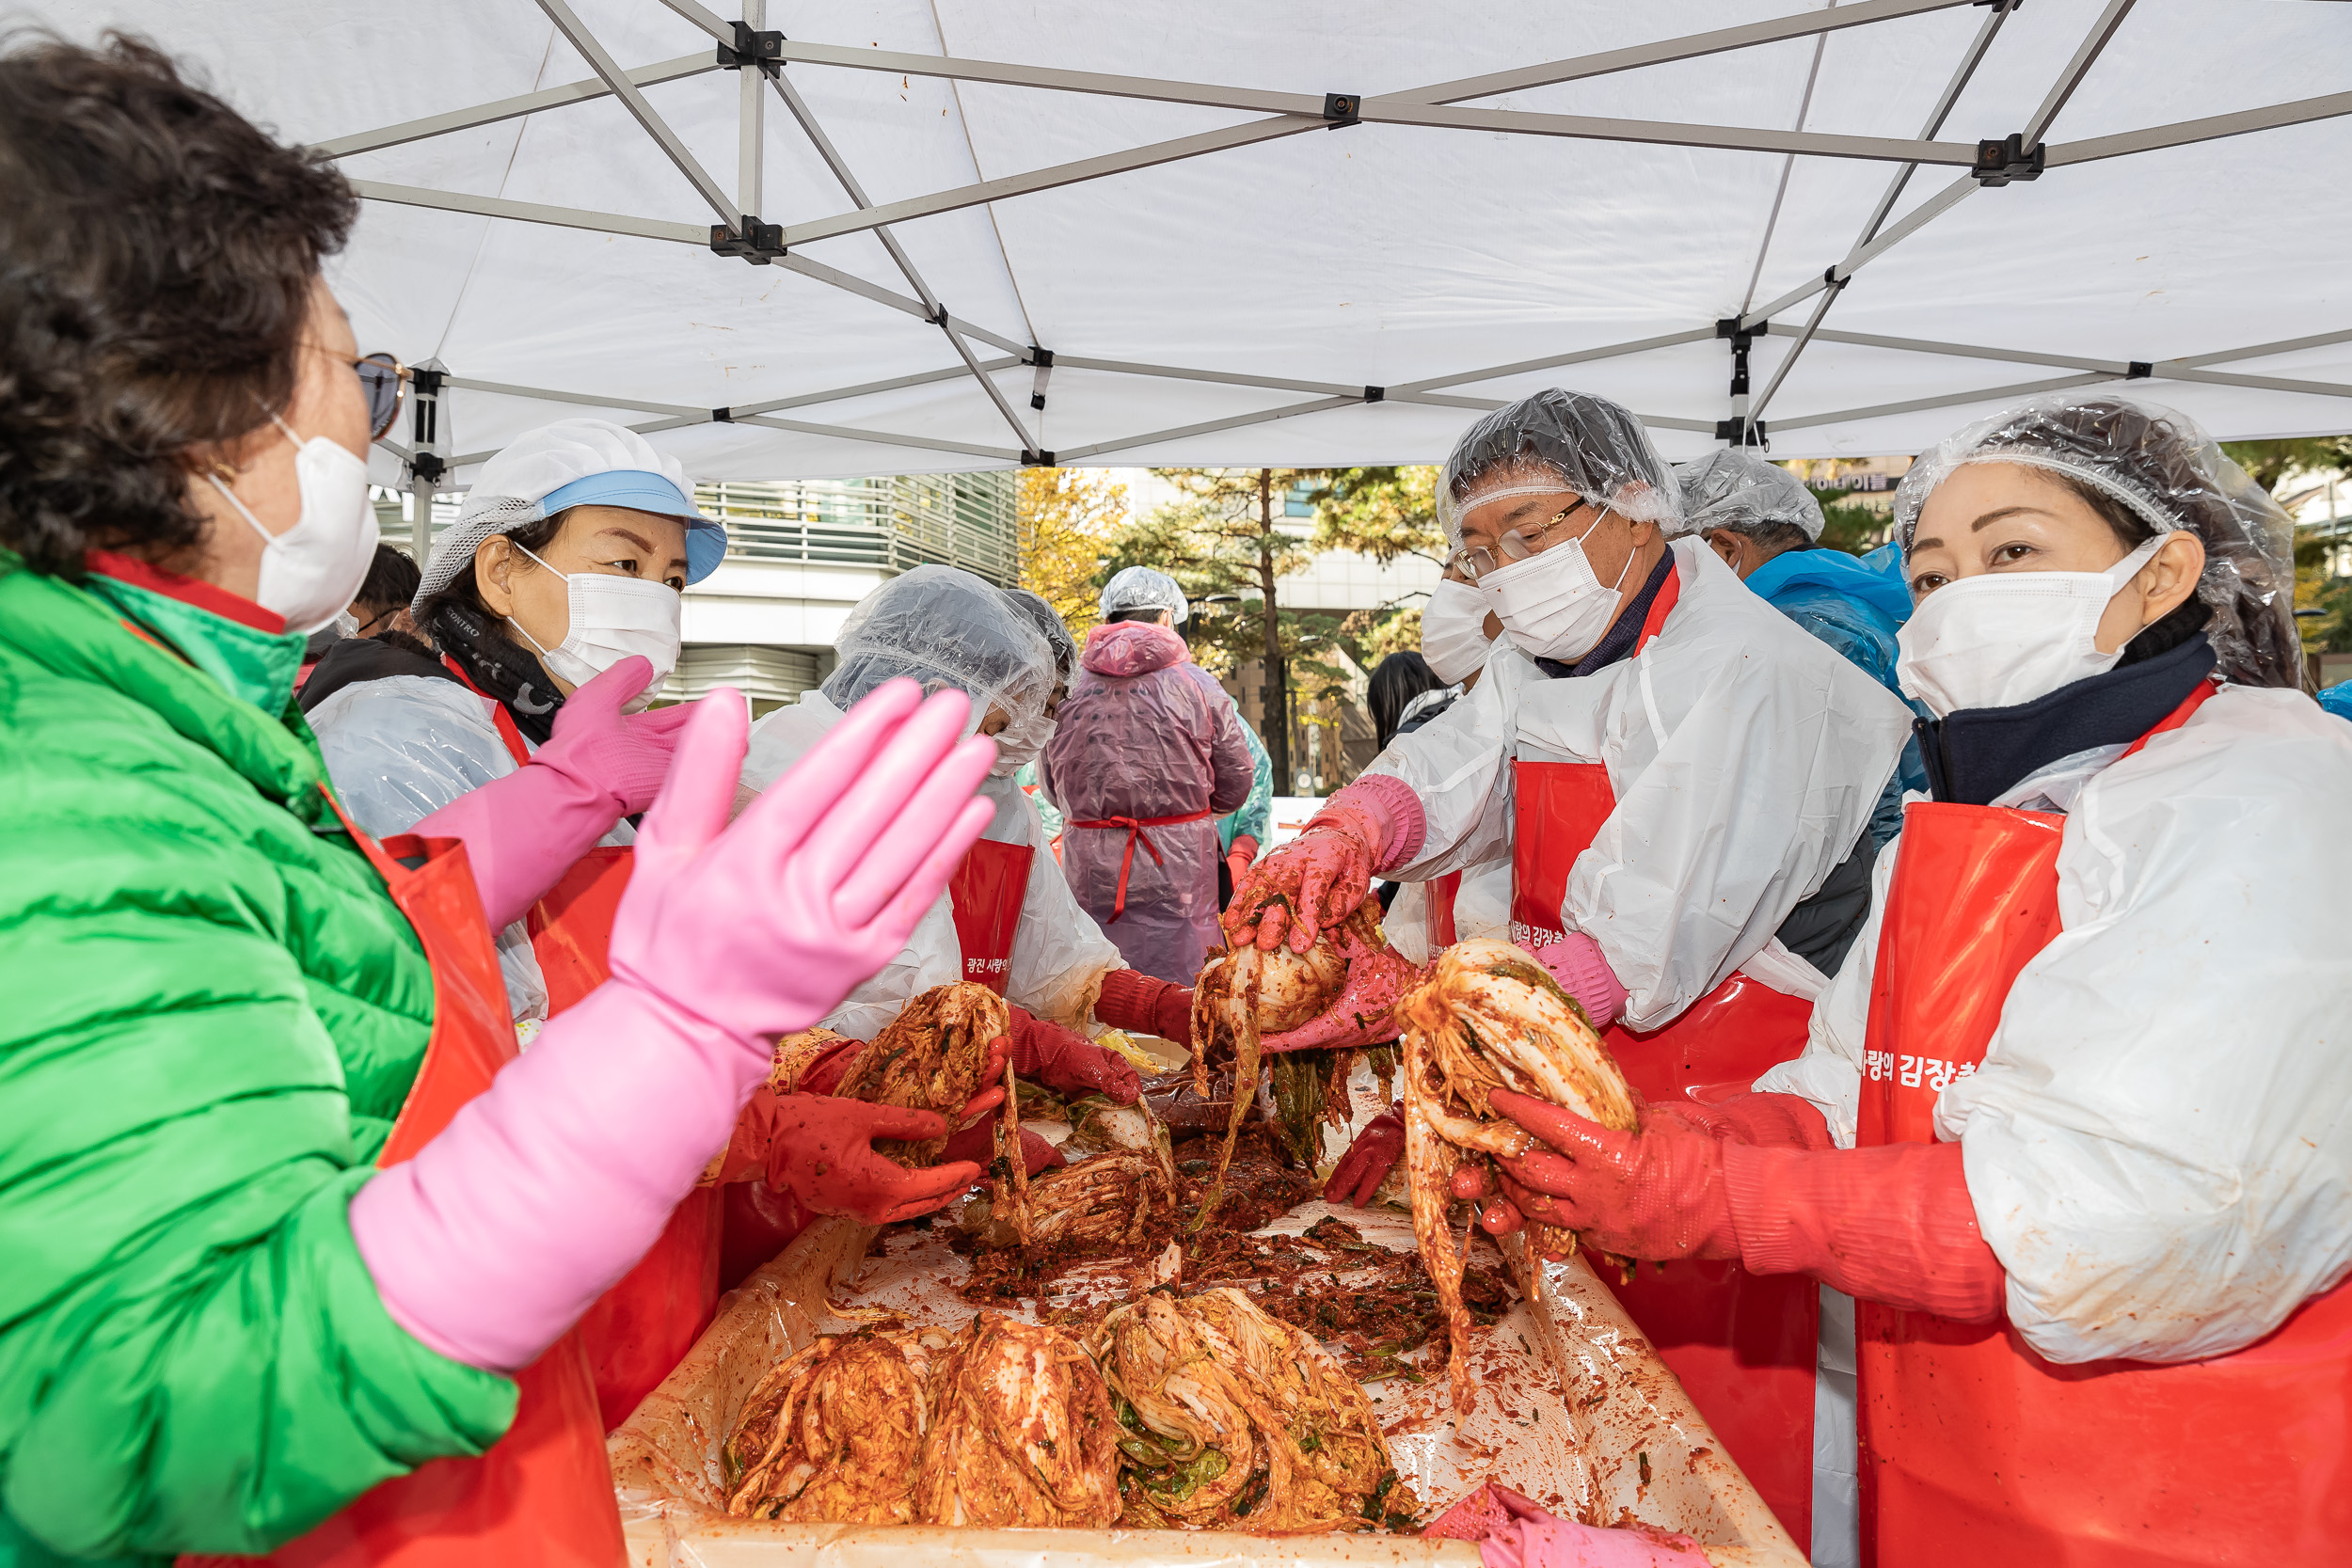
(1420, 251)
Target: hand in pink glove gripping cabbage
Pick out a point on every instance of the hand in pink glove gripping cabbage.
(546, 1189)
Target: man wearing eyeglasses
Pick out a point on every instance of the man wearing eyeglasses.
(1681, 779)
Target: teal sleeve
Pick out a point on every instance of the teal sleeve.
(1027, 779)
(1258, 811)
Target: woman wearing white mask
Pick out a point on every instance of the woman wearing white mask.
(555, 606)
(2070, 1126)
(1681, 779)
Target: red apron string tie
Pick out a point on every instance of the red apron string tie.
(1134, 826)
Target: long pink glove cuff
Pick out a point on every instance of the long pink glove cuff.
(523, 831)
(1892, 1223)
(1383, 811)
(549, 1187)
(1577, 963)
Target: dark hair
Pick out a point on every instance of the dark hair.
(1141, 612)
(1777, 538)
(467, 589)
(391, 580)
(1396, 680)
(157, 253)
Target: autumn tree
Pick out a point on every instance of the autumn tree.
(1068, 517)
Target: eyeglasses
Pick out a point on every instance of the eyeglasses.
(385, 381)
(1476, 561)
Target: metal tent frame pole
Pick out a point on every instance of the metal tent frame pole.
(1288, 114)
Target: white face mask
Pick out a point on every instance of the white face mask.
(1018, 744)
(612, 618)
(310, 572)
(1551, 604)
(1454, 631)
(2008, 638)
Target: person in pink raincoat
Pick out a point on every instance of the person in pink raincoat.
(1147, 752)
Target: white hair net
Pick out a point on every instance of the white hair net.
(571, 463)
(1734, 488)
(942, 626)
(2160, 468)
(1141, 587)
(1555, 440)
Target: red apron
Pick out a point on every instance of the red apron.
(1975, 1449)
(645, 1325)
(985, 895)
(1133, 827)
(1742, 1344)
(543, 1493)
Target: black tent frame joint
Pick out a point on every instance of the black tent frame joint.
(723, 416)
(753, 48)
(428, 467)
(1342, 108)
(1037, 459)
(1740, 433)
(2001, 162)
(2139, 370)
(1376, 394)
(757, 243)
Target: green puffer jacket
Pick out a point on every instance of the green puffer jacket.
(213, 1012)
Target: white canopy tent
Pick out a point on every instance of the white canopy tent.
(1242, 232)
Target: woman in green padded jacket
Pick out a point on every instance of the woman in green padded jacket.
(220, 1321)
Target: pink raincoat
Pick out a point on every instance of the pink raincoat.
(1144, 734)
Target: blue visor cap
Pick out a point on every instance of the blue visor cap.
(640, 491)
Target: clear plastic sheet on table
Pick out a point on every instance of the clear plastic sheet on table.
(1574, 1410)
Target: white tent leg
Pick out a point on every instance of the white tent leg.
(751, 119)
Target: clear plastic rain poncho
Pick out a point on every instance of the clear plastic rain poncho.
(1141, 587)
(1734, 488)
(2162, 468)
(1557, 439)
(944, 627)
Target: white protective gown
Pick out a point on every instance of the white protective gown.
(1059, 955)
(2158, 1144)
(1746, 757)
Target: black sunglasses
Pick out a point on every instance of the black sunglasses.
(385, 381)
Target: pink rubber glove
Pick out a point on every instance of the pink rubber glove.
(824, 1154)
(1363, 1013)
(1368, 1159)
(545, 1190)
(1145, 1004)
(1576, 962)
(1067, 1062)
(1319, 877)
(523, 831)
(1531, 1538)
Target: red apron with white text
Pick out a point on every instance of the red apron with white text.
(985, 896)
(543, 1493)
(645, 1325)
(1742, 1344)
(1974, 1448)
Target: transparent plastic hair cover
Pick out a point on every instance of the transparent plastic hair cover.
(942, 626)
(1141, 587)
(1736, 489)
(2162, 467)
(1559, 440)
(1049, 625)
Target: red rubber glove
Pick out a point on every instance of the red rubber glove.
(1067, 1062)
(1368, 1159)
(1241, 857)
(1654, 1193)
(823, 1153)
(1145, 1004)
(977, 1144)
(1893, 1223)
(1582, 970)
(1321, 877)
